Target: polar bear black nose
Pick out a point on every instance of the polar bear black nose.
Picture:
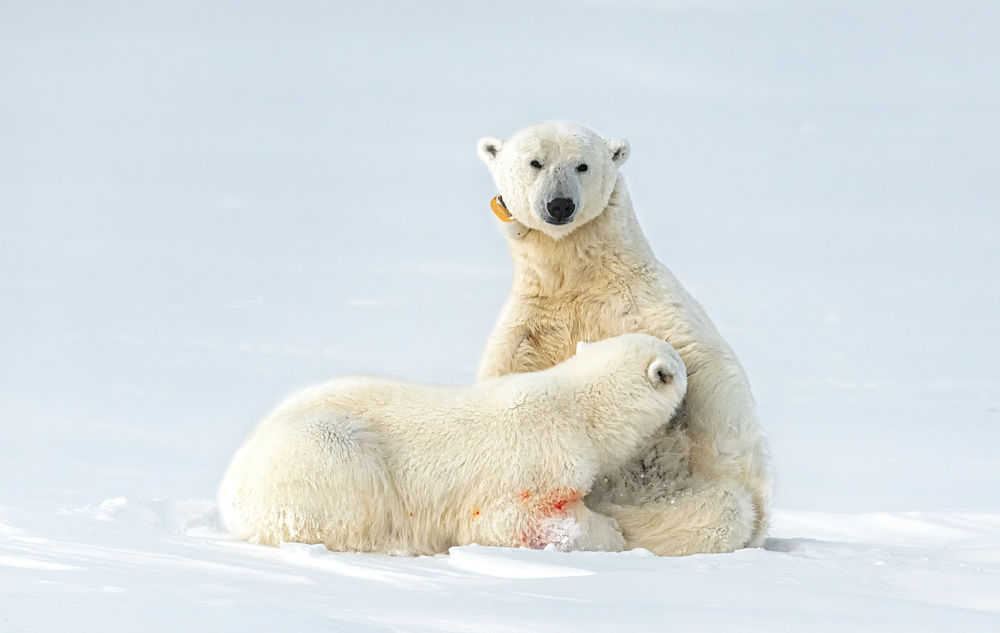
(561, 209)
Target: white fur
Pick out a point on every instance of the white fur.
(702, 484)
(369, 464)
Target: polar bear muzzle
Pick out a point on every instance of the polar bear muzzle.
(560, 211)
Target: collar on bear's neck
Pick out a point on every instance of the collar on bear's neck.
(508, 223)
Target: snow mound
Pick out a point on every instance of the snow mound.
(512, 563)
(186, 515)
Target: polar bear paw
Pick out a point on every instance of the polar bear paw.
(560, 518)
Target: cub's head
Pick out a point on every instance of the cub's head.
(636, 365)
(554, 177)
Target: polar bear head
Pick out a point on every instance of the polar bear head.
(554, 177)
(629, 385)
(632, 379)
(643, 355)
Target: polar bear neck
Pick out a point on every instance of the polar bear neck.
(604, 246)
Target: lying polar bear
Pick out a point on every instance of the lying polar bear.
(378, 465)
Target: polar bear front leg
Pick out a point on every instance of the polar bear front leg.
(560, 518)
(530, 342)
(500, 356)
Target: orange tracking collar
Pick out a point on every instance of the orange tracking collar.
(511, 227)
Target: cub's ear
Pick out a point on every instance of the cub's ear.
(659, 373)
(489, 149)
(619, 151)
(580, 345)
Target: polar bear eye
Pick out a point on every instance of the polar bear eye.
(536, 164)
(582, 168)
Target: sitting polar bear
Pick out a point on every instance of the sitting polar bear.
(583, 271)
(377, 465)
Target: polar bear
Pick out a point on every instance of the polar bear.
(583, 270)
(377, 465)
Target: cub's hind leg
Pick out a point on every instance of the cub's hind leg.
(313, 475)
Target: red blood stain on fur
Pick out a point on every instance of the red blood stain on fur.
(550, 504)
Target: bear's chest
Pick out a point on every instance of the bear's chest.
(556, 323)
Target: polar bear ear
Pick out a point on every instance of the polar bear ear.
(660, 373)
(580, 345)
(619, 151)
(489, 149)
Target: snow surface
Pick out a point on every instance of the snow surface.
(207, 205)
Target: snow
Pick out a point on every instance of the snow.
(206, 206)
(114, 566)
